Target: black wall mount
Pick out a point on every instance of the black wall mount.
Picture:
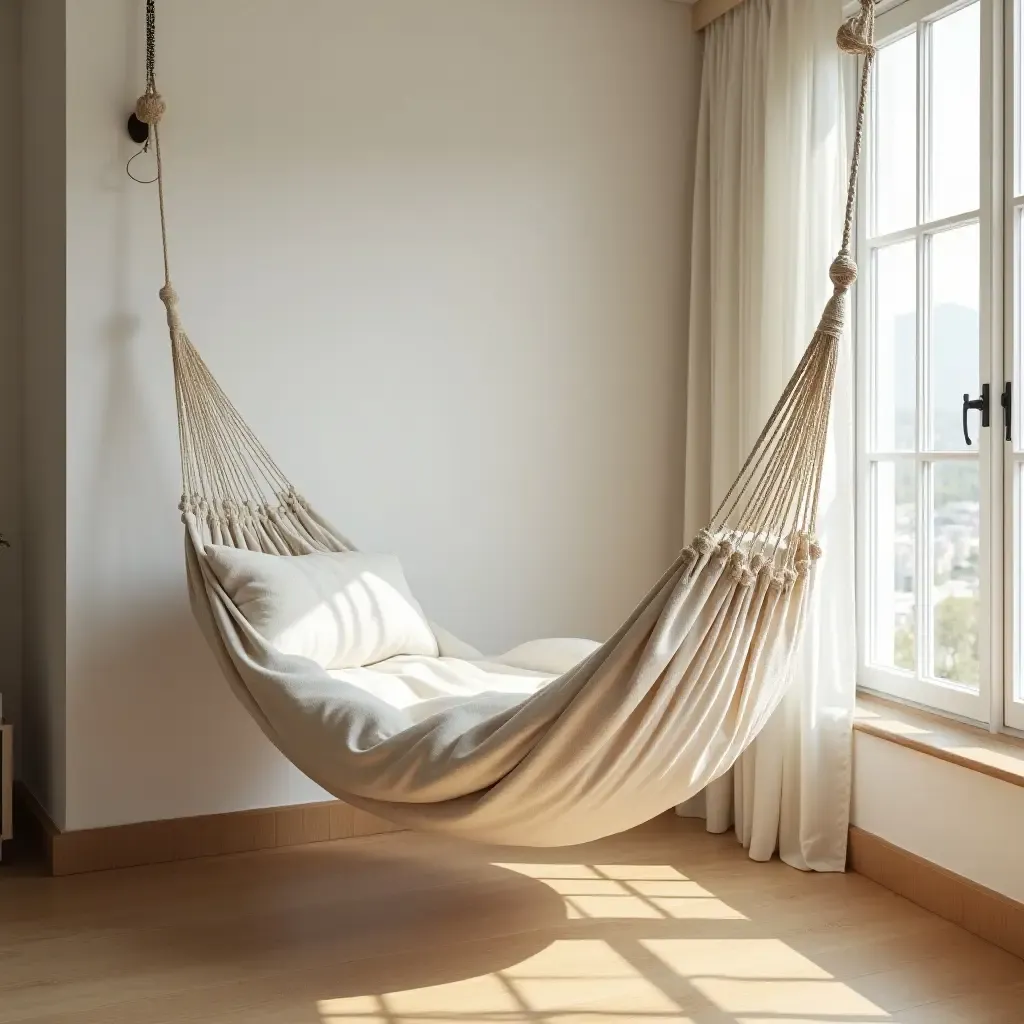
(138, 131)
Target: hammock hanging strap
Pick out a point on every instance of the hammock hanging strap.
(767, 518)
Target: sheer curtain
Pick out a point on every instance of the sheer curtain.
(768, 205)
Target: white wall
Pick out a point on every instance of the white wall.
(962, 820)
(436, 251)
(10, 355)
(43, 541)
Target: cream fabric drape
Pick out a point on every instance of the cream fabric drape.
(637, 726)
(768, 197)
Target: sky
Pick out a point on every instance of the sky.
(953, 163)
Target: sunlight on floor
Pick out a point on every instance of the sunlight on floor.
(623, 891)
(747, 977)
(613, 975)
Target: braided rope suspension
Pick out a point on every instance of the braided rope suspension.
(227, 474)
(765, 524)
(767, 520)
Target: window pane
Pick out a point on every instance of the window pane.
(955, 124)
(956, 586)
(895, 118)
(953, 345)
(895, 383)
(894, 540)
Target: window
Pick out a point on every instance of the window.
(940, 238)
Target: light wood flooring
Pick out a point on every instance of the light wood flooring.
(664, 924)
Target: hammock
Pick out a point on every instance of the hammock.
(558, 742)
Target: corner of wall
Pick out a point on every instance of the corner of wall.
(10, 357)
(43, 395)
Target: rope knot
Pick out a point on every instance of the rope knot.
(843, 271)
(169, 297)
(150, 107)
(854, 35)
(738, 569)
(704, 543)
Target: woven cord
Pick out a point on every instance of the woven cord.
(225, 470)
(766, 519)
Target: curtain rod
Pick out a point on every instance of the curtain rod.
(706, 11)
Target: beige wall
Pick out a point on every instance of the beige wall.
(436, 251)
(965, 821)
(43, 392)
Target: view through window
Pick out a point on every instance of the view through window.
(940, 509)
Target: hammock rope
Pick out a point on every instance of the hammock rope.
(767, 519)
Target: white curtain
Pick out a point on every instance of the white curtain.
(768, 205)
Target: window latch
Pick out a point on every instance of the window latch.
(1007, 403)
(981, 404)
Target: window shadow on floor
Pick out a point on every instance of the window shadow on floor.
(666, 923)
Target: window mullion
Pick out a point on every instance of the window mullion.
(924, 113)
(931, 227)
(995, 151)
(923, 602)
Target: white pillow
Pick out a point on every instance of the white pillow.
(340, 610)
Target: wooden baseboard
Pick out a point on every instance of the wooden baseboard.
(988, 914)
(155, 842)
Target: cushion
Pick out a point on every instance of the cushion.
(340, 610)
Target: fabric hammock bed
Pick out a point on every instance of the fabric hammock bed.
(556, 742)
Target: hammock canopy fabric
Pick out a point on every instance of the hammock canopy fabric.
(557, 742)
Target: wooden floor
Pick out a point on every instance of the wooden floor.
(666, 924)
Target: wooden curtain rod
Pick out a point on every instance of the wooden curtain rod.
(706, 11)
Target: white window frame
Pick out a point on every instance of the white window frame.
(1011, 56)
(988, 704)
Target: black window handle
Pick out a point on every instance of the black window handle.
(981, 404)
(1007, 403)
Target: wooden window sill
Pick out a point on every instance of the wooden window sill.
(1001, 757)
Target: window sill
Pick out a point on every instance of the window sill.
(1000, 757)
